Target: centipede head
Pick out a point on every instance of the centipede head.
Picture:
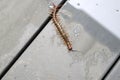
(55, 7)
(52, 8)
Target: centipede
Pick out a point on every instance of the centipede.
(59, 27)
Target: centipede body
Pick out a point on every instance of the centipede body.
(60, 28)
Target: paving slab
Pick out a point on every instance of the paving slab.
(47, 58)
(18, 22)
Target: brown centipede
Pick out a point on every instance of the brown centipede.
(60, 28)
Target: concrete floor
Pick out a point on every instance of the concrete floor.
(47, 58)
(18, 21)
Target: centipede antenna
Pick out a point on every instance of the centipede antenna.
(73, 50)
